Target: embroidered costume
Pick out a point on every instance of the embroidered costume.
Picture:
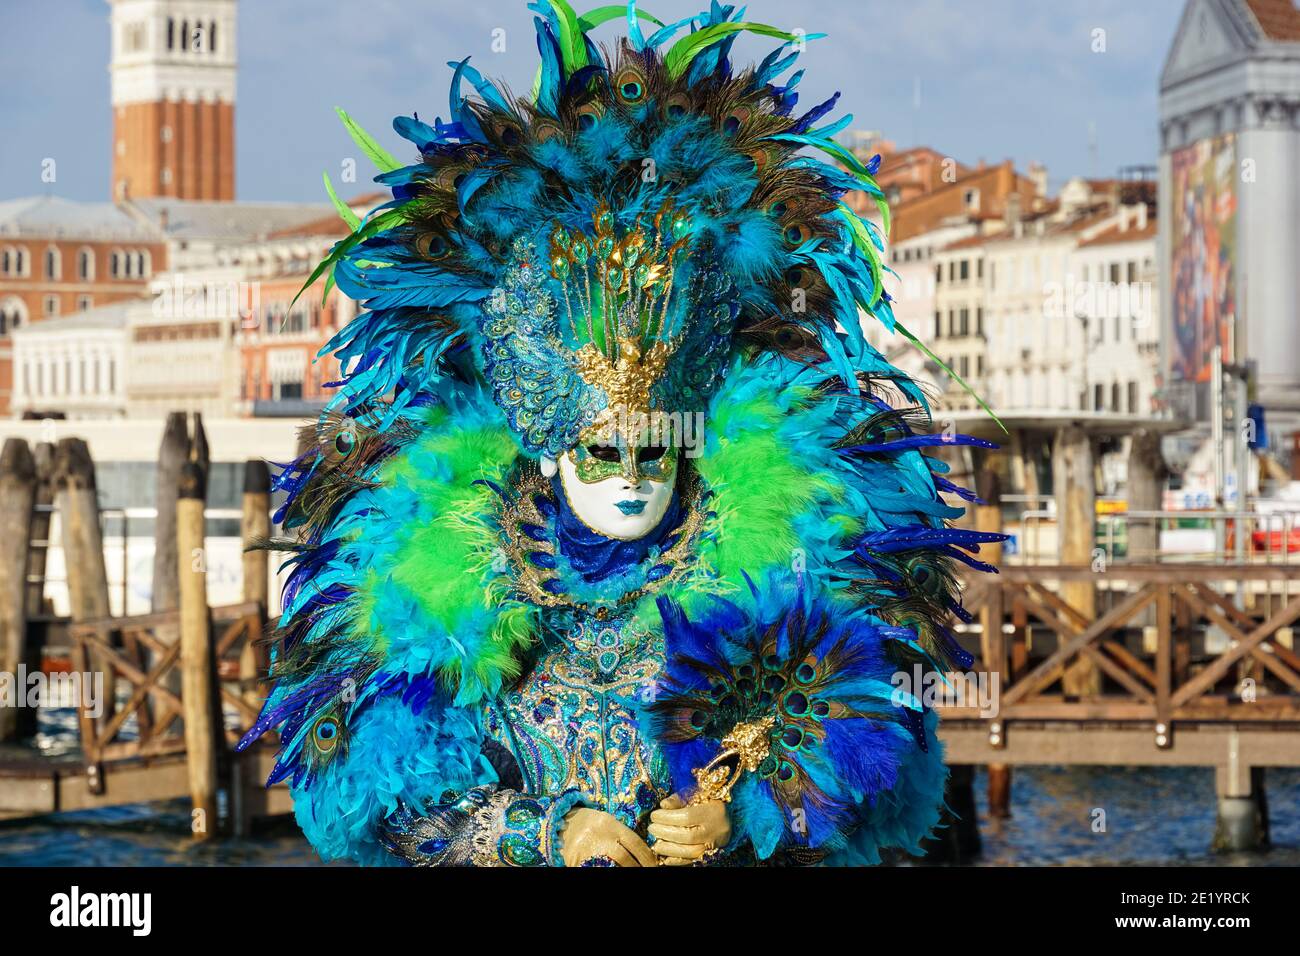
(614, 500)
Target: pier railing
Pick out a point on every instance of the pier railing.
(1149, 647)
(143, 653)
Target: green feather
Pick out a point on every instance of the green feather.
(377, 154)
(344, 210)
(381, 223)
(955, 377)
(602, 15)
(573, 42)
(862, 239)
(684, 51)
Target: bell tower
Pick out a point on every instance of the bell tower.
(173, 95)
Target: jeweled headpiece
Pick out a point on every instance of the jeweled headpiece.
(602, 249)
(612, 326)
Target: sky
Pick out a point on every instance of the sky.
(975, 79)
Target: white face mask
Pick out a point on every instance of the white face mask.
(617, 507)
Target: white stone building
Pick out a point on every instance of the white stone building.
(1114, 294)
(74, 364)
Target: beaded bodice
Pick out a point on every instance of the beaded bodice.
(571, 721)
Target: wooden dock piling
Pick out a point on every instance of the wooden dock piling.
(988, 517)
(198, 667)
(18, 480)
(77, 502)
(1076, 511)
(255, 528)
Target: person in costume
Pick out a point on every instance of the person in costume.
(609, 545)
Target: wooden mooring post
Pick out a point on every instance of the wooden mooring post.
(203, 733)
(18, 481)
(1076, 523)
(255, 529)
(77, 501)
(988, 517)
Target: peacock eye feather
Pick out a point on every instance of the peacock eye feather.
(432, 246)
(325, 735)
(544, 131)
(675, 107)
(630, 84)
(797, 234)
(795, 703)
(589, 114)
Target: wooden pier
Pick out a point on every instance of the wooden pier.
(173, 690)
(1182, 676)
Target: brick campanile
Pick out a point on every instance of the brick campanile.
(173, 82)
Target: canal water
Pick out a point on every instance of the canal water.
(1061, 816)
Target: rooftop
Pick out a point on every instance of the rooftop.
(52, 216)
(113, 316)
(1278, 19)
(189, 219)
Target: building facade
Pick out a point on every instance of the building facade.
(1229, 250)
(59, 257)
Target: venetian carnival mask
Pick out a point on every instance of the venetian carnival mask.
(600, 349)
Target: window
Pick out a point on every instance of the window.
(86, 265)
(13, 261)
(212, 37)
(938, 275)
(1114, 272)
(171, 33)
(115, 264)
(1132, 398)
(53, 263)
(938, 325)
(51, 305)
(979, 321)
(11, 316)
(964, 322)
(979, 268)
(965, 269)
(85, 303)
(1114, 397)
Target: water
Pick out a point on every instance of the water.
(1153, 816)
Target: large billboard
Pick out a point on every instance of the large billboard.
(1204, 260)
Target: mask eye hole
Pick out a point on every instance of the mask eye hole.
(603, 452)
(651, 453)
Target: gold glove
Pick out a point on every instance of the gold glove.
(685, 834)
(591, 834)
